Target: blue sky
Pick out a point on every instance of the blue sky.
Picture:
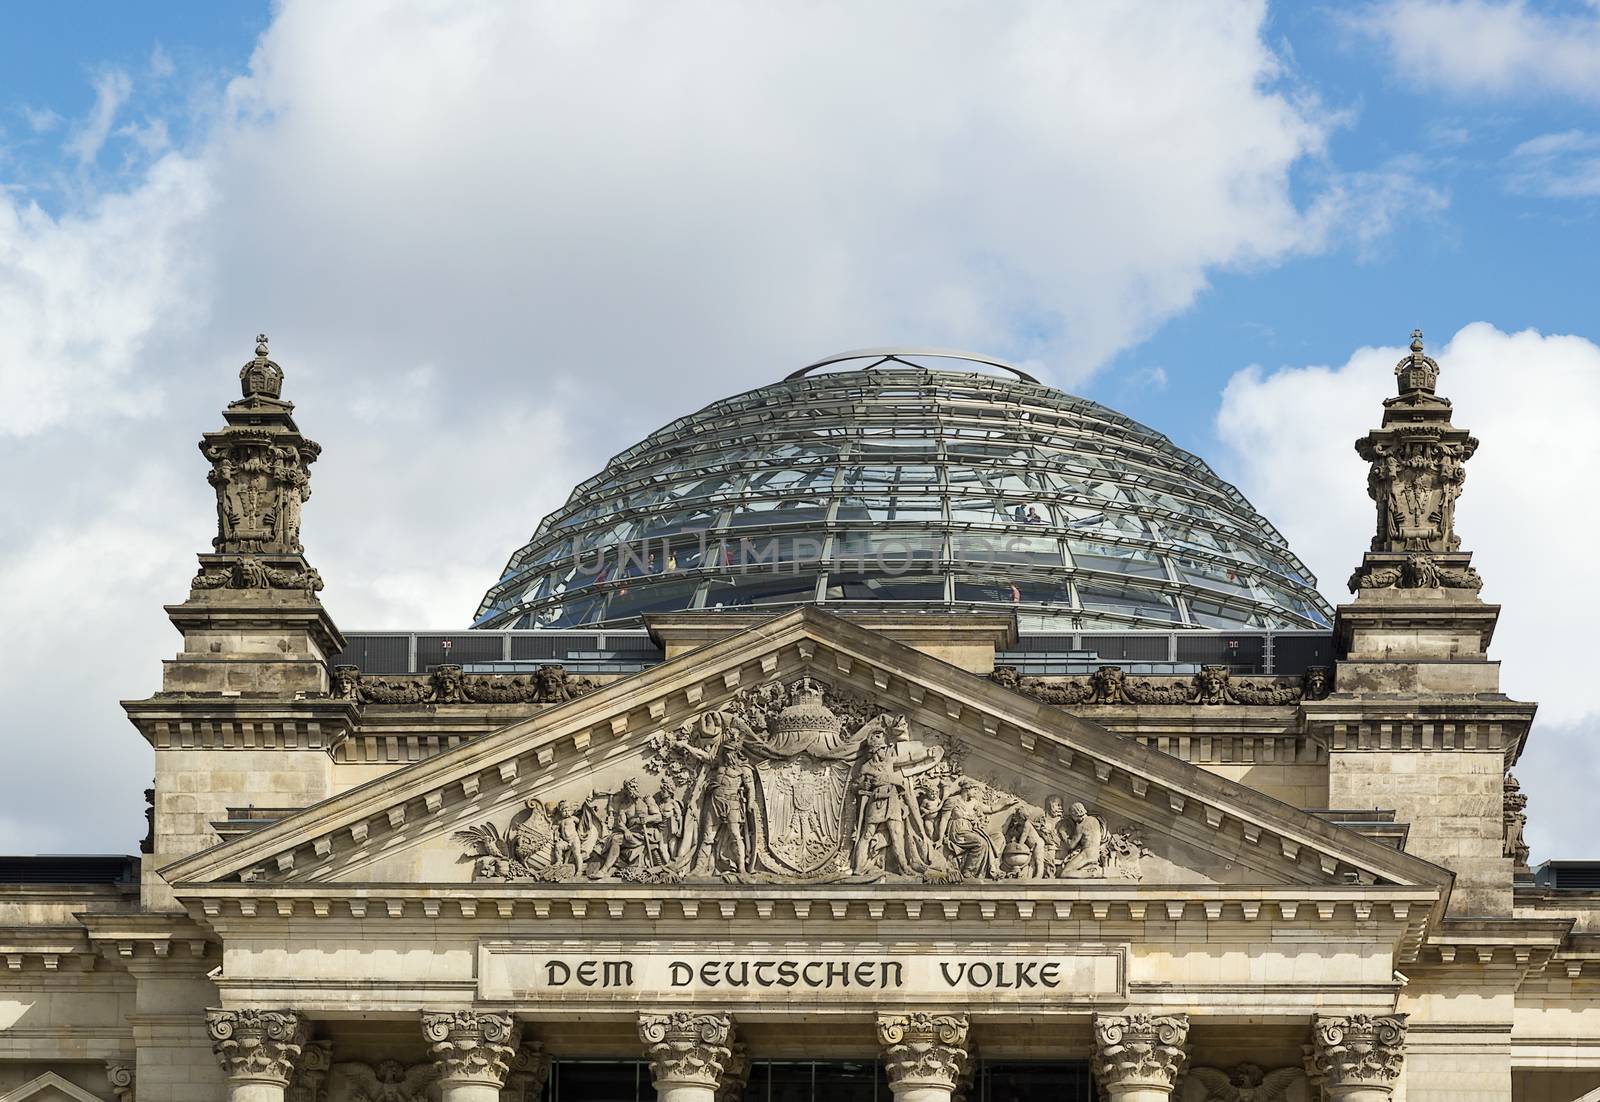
(495, 243)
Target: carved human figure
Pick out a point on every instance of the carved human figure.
(1037, 838)
(963, 828)
(569, 844)
(886, 811)
(669, 802)
(730, 801)
(632, 815)
(1083, 844)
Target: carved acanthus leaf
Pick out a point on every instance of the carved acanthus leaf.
(472, 1047)
(257, 1044)
(685, 1047)
(1359, 1050)
(924, 1050)
(1141, 1050)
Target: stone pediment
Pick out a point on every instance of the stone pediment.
(805, 750)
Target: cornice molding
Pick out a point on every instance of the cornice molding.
(487, 775)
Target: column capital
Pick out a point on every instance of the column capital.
(120, 1076)
(310, 1082)
(735, 1073)
(1139, 1052)
(256, 1045)
(530, 1070)
(1360, 1051)
(686, 1048)
(472, 1047)
(923, 1051)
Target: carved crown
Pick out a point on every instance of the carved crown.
(261, 377)
(1416, 371)
(808, 714)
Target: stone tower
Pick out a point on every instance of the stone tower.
(244, 719)
(1417, 722)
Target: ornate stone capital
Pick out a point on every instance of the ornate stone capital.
(530, 1069)
(922, 1050)
(685, 1048)
(310, 1082)
(1139, 1051)
(120, 1074)
(1359, 1051)
(735, 1074)
(472, 1047)
(261, 1045)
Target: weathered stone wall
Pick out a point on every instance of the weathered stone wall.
(1452, 799)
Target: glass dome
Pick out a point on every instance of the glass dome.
(890, 484)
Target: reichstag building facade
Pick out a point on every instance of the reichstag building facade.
(905, 729)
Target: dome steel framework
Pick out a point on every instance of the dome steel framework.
(894, 485)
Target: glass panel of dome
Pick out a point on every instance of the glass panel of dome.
(652, 597)
(857, 507)
(1007, 547)
(761, 549)
(794, 478)
(886, 550)
(738, 590)
(793, 510)
(1207, 613)
(1012, 589)
(1116, 558)
(885, 587)
(569, 613)
(1213, 575)
(911, 474)
(1143, 604)
(983, 510)
(690, 520)
(1112, 521)
(1286, 600)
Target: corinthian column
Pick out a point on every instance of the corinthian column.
(687, 1053)
(1138, 1057)
(924, 1054)
(474, 1052)
(258, 1050)
(1359, 1057)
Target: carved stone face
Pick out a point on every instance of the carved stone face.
(1079, 813)
(1316, 682)
(1053, 807)
(630, 788)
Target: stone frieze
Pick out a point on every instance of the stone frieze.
(1212, 685)
(798, 783)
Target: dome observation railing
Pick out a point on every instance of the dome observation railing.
(909, 487)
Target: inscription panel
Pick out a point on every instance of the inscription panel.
(951, 975)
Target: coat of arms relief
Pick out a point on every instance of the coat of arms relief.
(799, 783)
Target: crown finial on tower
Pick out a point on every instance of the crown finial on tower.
(1417, 466)
(1417, 373)
(260, 377)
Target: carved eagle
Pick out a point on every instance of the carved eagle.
(1245, 1083)
(388, 1081)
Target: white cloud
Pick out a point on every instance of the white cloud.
(111, 90)
(496, 242)
(41, 120)
(1489, 47)
(1531, 399)
(1565, 165)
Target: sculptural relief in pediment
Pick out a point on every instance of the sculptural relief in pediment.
(799, 782)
